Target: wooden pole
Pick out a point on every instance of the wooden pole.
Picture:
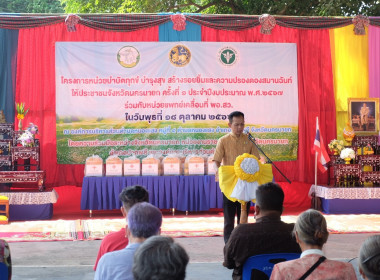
(243, 213)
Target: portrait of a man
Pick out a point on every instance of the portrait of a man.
(363, 114)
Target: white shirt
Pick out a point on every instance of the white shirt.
(312, 252)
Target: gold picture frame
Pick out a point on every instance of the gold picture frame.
(363, 114)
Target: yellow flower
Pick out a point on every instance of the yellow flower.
(20, 116)
(336, 145)
(240, 173)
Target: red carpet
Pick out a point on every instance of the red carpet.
(71, 223)
(177, 226)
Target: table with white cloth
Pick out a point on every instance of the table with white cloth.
(362, 200)
(25, 206)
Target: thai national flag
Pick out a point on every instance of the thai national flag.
(319, 147)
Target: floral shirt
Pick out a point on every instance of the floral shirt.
(327, 270)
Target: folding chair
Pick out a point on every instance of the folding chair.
(264, 264)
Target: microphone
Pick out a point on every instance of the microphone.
(246, 131)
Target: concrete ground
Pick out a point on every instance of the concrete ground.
(74, 260)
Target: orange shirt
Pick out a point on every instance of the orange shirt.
(229, 147)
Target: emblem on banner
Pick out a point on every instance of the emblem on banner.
(128, 57)
(179, 56)
(228, 56)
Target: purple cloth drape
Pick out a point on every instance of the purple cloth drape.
(374, 61)
(184, 193)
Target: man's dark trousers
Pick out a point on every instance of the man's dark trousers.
(230, 209)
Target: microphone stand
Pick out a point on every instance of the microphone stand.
(252, 139)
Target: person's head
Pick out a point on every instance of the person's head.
(311, 229)
(144, 220)
(160, 258)
(236, 122)
(369, 258)
(129, 196)
(269, 200)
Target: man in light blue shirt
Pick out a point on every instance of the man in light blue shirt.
(144, 220)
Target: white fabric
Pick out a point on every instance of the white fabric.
(244, 190)
(312, 252)
(345, 193)
(24, 198)
(250, 165)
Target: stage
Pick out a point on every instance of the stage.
(183, 193)
(69, 222)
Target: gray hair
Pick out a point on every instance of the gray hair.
(369, 257)
(144, 220)
(159, 258)
(311, 228)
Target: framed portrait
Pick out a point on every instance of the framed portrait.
(363, 114)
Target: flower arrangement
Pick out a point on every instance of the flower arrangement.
(337, 145)
(247, 167)
(21, 113)
(247, 174)
(347, 153)
(27, 139)
(32, 128)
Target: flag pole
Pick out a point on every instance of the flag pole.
(315, 169)
(321, 157)
(315, 174)
(315, 165)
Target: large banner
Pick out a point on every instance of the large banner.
(138, 98)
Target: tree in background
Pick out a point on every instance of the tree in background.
(251, 7)
(31, 6)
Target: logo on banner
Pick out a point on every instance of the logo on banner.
(228, 56)
(128, 57)
(179, 56)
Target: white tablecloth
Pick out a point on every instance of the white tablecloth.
(22, 198)
(345, 193)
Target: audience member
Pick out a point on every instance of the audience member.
(268, 235)
(369, 258)
(160, 258)
(311, 234)
(118, 240)
(144, 221)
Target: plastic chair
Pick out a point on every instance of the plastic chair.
(4, 273)
(5, 261)
(264, 263)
